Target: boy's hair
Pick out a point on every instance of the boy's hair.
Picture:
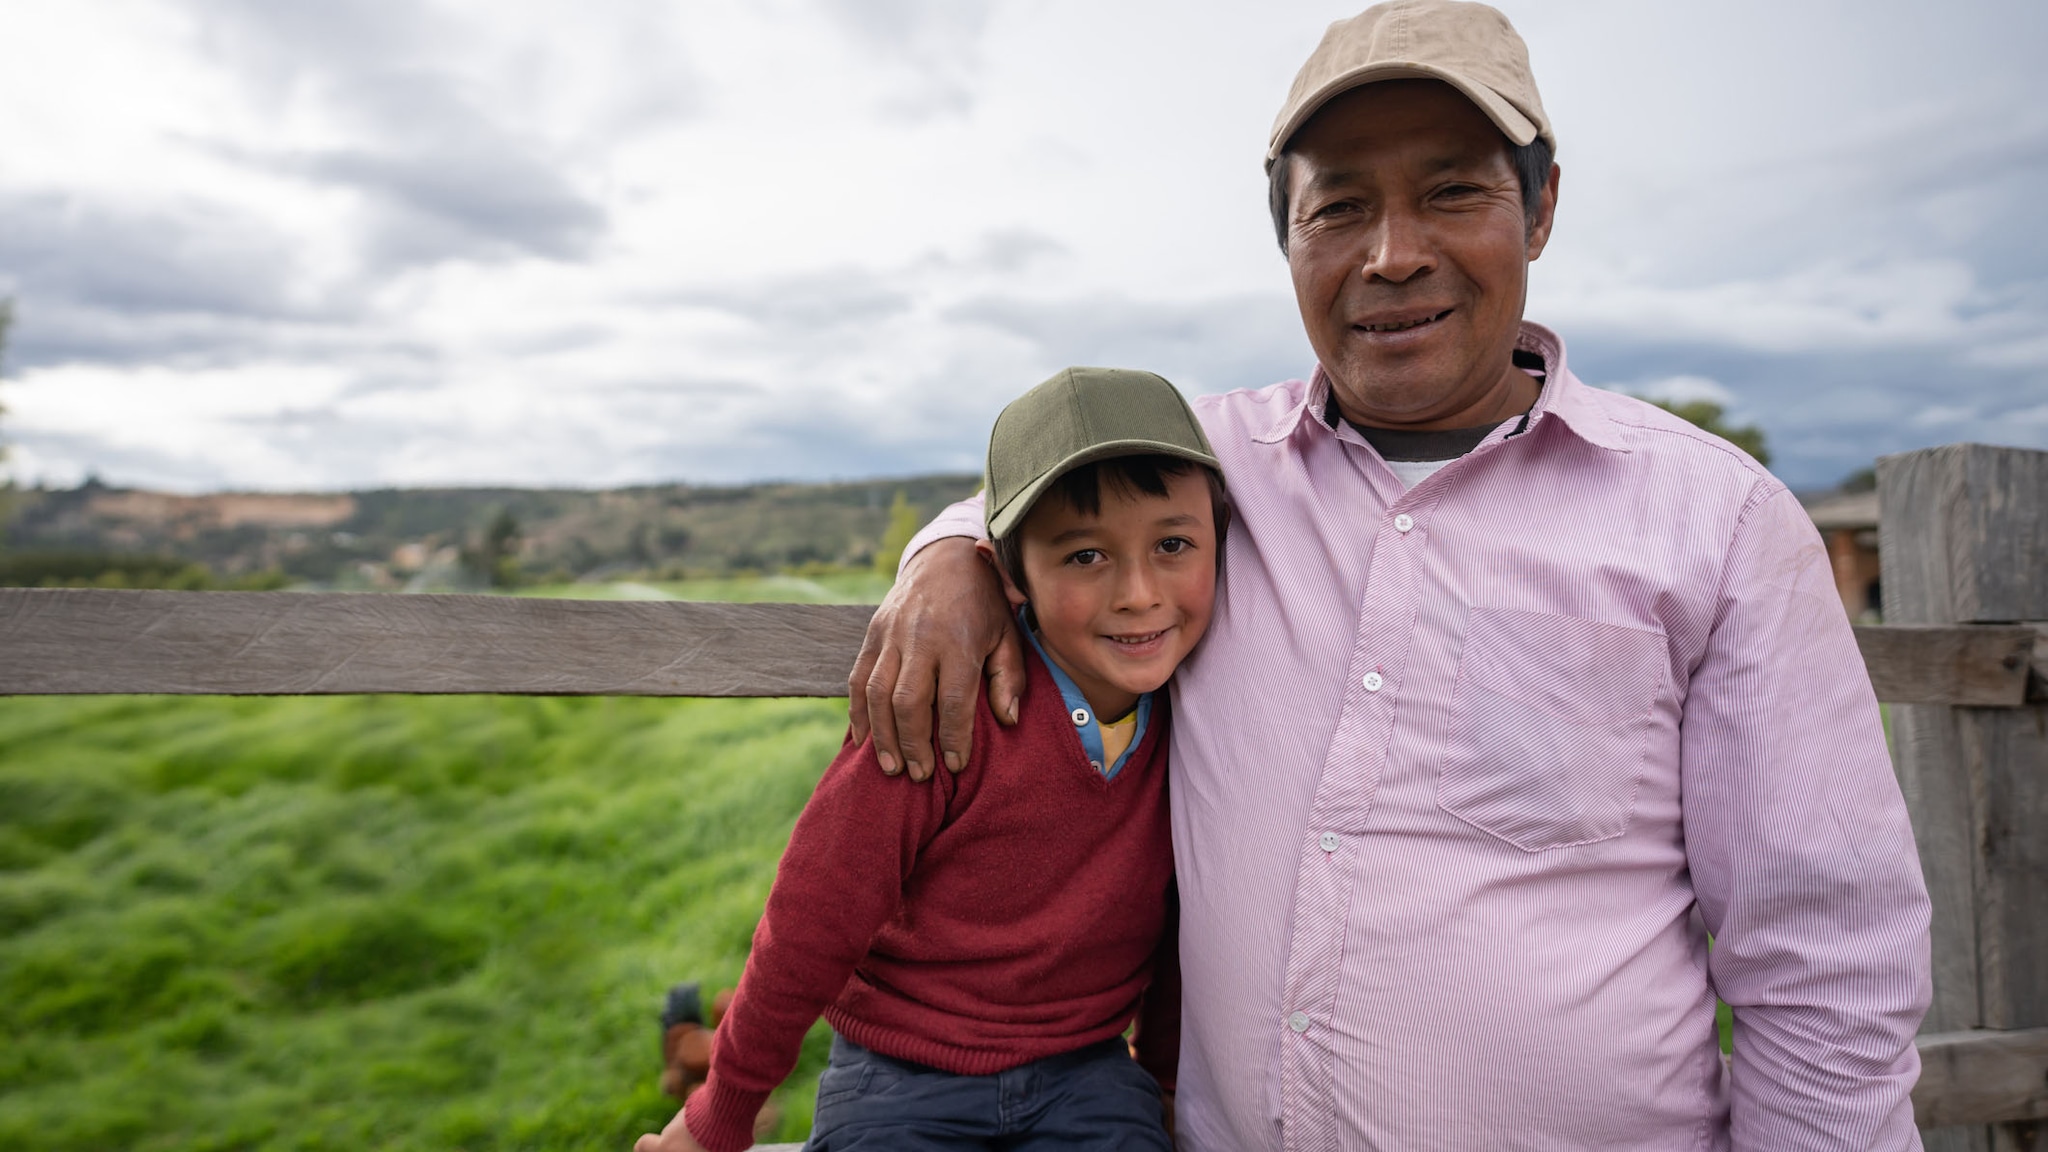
(1082, 487)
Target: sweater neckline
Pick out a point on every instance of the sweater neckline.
(1071, 750)
(1088, 725)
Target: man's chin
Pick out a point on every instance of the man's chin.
(1376, 392)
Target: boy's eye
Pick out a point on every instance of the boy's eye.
(1086, 556)
(1175, 545)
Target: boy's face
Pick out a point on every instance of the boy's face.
(1121, 596)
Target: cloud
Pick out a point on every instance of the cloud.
(182, 256)
(1827, 413)
(933, 43)
(440, 178)
(809, 303)
(467, 201)
(1680, 390)
(106, 280)
(409, 241)
(1204, 345)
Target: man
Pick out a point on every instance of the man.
(1517, 693)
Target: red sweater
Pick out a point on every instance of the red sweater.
(974, 922)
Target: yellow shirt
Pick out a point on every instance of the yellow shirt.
(1116, 735)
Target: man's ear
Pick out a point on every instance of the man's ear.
(1546, 214)
(1013, 593)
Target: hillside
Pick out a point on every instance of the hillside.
(420, 538)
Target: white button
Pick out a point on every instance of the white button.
(1403, 522)
(1080, 717)
(1372, 681)
(1095, 764)
(1329, 841)
(1298, 1021)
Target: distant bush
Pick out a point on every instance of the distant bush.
(115, 570)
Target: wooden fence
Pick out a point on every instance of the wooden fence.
(1963, 658)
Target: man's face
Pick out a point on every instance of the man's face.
(1409, 253)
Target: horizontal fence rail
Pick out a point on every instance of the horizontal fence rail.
(84, 642)
(1981, 1076)
(1967, 666)
(93, 641)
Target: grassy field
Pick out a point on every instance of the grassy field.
(375, 922)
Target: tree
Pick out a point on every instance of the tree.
(1709, 416)
(903, 524)
(496, 558)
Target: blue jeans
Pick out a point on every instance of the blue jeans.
(1091, 1098)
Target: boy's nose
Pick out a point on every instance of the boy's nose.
(1136, 587)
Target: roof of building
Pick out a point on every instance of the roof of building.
(1844, 510)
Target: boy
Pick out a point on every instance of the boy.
(979, 947)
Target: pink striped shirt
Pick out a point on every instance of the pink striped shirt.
(1466, 774)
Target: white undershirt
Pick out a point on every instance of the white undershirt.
(1413, 472)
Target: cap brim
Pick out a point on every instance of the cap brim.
(1005, 519)
(1518, 128)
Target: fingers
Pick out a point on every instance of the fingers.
(1006, 673)
(959, 686)
(924, 648)
(857, 681)
(647, 1143)
(882, 683)
(911, 707)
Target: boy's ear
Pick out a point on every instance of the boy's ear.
(1013, 593)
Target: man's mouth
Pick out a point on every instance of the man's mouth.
(1403, 325)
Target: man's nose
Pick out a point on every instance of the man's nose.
(1400, 248)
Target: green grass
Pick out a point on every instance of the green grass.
(376, 922)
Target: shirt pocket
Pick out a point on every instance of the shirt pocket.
(1550, 727)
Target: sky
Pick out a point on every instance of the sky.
(269, 245)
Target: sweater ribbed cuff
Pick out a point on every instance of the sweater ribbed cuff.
(721, 1117)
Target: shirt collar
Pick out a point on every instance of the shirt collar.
(1572, 403)
(1086, 725)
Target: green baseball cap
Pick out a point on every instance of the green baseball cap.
(1080, 416)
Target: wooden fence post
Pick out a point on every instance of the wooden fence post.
(1963, 537)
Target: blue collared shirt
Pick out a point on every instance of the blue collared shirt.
(1085, 723)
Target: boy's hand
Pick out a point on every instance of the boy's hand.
(674, 1138)
(940, 628)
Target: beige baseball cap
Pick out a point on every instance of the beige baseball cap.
(1079, 416)
(1471, 47)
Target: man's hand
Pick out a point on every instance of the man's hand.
(674, 1138)
(943, 625)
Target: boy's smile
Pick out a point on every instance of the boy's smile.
(1122, 596)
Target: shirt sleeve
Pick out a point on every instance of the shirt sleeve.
(1801, 854)
(841, 880)
(964, 518)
